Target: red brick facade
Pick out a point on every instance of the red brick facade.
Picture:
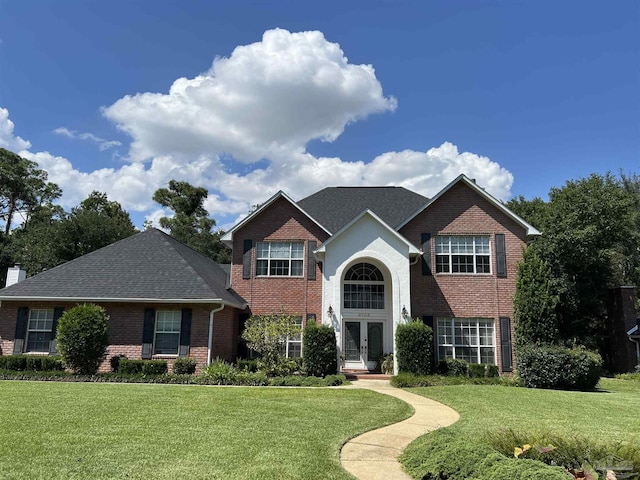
(461, 211)
(125, 329)
(295, 295)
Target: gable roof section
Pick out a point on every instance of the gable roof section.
(412, 249)
(227, 238)
(334, 207)
(148, 267)
(530, 229)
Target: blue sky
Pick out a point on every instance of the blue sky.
(297, 96)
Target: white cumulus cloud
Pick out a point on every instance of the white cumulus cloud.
(267, 98)
(259, 107)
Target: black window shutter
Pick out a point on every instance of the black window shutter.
(505, 344)
(21, 330)
(311, 317)
(501, 255)
(311, 260)
(428, 321)
(53, 345)
(425, 239)
(246, 258)
(185, 333)
(147, 332)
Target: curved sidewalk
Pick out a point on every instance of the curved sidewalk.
(374, 454)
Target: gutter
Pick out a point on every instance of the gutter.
(8, 298)
(210, 344)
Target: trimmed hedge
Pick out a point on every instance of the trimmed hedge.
(559, 368)
(408, 380)
(142, 367)
(250, 365)
(184, 366)
(453, 367)
(37, 363)
(320, 350)
(414, 348)
(83, 337)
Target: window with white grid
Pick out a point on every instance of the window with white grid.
(463, 254)
(470, 339)
(280, 259)
(39, 330)
(167, 335)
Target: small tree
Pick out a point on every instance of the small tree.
(320, 351)
(414, 348)
(267, 334)
(534, 303)
(83, 338)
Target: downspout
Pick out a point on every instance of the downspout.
(210, 344)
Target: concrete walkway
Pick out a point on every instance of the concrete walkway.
(374, 455)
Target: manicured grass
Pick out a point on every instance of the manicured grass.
(68, 430)
(607, 415)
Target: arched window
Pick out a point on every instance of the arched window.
(364, 287)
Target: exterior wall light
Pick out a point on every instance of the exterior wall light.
(330, 311)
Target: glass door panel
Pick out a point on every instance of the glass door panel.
(352, 341)
(374, 340)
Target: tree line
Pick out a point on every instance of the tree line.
(590, 243)
(39, 234)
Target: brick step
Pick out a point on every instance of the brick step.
(364, 375)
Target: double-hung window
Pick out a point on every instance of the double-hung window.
(39, 330)
(280, 259)
(167, 332)
(469, 339)
(293, 348)
(463, 254)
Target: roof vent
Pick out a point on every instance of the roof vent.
(14, 275)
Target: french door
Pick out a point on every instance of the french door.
(363, 340)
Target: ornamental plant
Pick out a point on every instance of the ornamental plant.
(320, 350)
(414, 347)
(83, 338)
(267, 334)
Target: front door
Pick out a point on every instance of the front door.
(362, 344)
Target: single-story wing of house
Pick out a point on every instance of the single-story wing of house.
(361, 259)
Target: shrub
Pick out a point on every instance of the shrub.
(220, 372)
(637, 369)
(184, 366)
(408, 380)
(492, 371)
(154, 367)
(320, 350)
(130, 367)
(249, 365)
(115, 361)
(477, 370)
(414, 347)
(252, 379)
(559, 368)
(453, 367)
(16, 363)
(33, 363)
(524, 469)
(83, 337)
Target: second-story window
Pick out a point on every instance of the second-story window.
(280, 259)
(463, 254)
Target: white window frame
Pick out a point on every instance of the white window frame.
(34, 330)
(176, 315)
(370, 299)
(294, 340)
(260, 257)
(446, 338)
(445, 248)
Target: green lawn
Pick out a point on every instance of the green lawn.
(609, 414)
(93, 431)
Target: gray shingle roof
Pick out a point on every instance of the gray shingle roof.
(150, 265)
(334, 207)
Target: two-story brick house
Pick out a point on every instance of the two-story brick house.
(362, 259)
(365, 259)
